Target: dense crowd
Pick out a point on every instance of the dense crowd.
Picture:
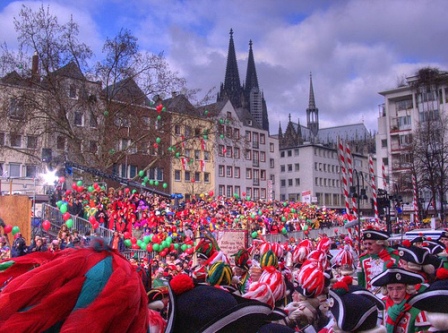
(321, 284)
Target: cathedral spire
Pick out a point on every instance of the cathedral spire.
(232, 85)
(312, 112)
(251, 75)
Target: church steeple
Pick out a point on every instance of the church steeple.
(251, 74)
(312, 112)
(232, 86)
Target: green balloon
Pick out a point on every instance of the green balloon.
(143, 246)
(176, 246)
(69, 223)
(79, 183)
(159, 117)
(139, 242)
(151, 182)
(156, 247)
(284, 231)
(169, 240)
(63, 208)
(177, 155)
(165, 185)
(145, 179)
(15, 230)
(158, 140)
(222, 136)
(106, 113)
(146, 239)
(184, 247)
(156, 183)
(150, 237)
(254, 234)
(205, 137)
(165, 244)
(141, 173)
(91, 189)
(127, 242)
(59, 203)
(134, 191)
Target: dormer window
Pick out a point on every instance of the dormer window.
(249, 122)
(72, 92)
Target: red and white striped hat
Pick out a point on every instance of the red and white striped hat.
(275, 280)
(260, 291)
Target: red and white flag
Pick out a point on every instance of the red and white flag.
(202, 165)
(183, 160)
(203, 144)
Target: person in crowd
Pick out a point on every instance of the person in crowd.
(400, 316)
(19, 247)
(117, 242)
(5, 250)
(376, 257)
(39, 245)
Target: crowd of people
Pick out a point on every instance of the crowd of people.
(322, 284)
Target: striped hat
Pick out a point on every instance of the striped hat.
(275, 280)
(242, 258)
(269, 259)
(219, 274)
(261, 292)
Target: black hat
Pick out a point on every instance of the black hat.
(372, 234)
(220, 311)
(418, 239)
(353, 312)
(444, 235)
(434, 247)
(414, 254)
(357, 290)
(396, 275)
(433, 299)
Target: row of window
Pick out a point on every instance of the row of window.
(15, 170)
(230, 171)
(19, 141)
(189, 176)
(131, 171)
(253, 193)
(289, 167)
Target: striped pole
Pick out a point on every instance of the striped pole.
(373, 186)
(348, 156)
(344, 174)
(415, 199)
(383, 168)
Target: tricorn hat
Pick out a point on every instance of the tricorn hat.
(397, 275)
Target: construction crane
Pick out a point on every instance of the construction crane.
(69, 166)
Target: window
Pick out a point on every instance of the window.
(132, 171)
(271, 163)
(93, 147)
(187, 176)
(383, 143)
(296, 152)
(197, 154)
(289, 167)
(146, 121)
(156, 173)
(229, 151)
(159, 125)
(197, 131)
(262, 156)
(221, 190)
(16, 109)
(14, 170)
(30, 171)
(31, 142)
(72, 91)
(296, 167)
(289, 153)
(282, 154)
(283, 182)
(297, 181)
(177, 175)
(197, 176)
(187, 153)
(16, 140)
(248, 136)
(79, 119)
(206, 155)
(271, 147)
(236, 133)
(2, 139)
(187, 131)
(221, 150)
(262, 139)
(248, 173)
(229, 191)
(177, 129)
(206, 177)
(221, 170)
(229, 132)
(263, 174)
(237, 190)
(289, 182)
(236, 153)
(263, 193)
(229, 171)
(248, 154)
(237, 172)
(282, 168)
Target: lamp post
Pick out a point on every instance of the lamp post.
(359, 193)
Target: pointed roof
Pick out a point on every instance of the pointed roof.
(71, 70)
(251, 74)
(232, 86)
(128, 91)
(312, 101)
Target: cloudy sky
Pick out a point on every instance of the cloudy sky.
(353, 48)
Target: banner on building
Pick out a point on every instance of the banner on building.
(230, 241)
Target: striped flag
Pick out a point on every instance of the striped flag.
(349, 163)
(203, 144)
(183, 161)
(415, 199)
(383, 169)
(373, 186)
(341, 153)
(202, 165)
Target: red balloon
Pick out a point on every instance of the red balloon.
(211, 193)
(149, 248)
(80, 188)
(74, 186)
(66, 216)
(126, 190)
(61, 179)
(7, 228)
(46, 225)
(135, 246)
(96, 225)
(163, 253)
(126, 235)
(159, 108)
(68, 192)
(92, 219)
(133, 240)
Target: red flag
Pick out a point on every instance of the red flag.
(202, 165)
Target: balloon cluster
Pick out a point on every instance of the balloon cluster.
(11, 229)
(160, 243)
(151, 182)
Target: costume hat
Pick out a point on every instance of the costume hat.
(414, 254)
(373, 234)
(396, 275)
